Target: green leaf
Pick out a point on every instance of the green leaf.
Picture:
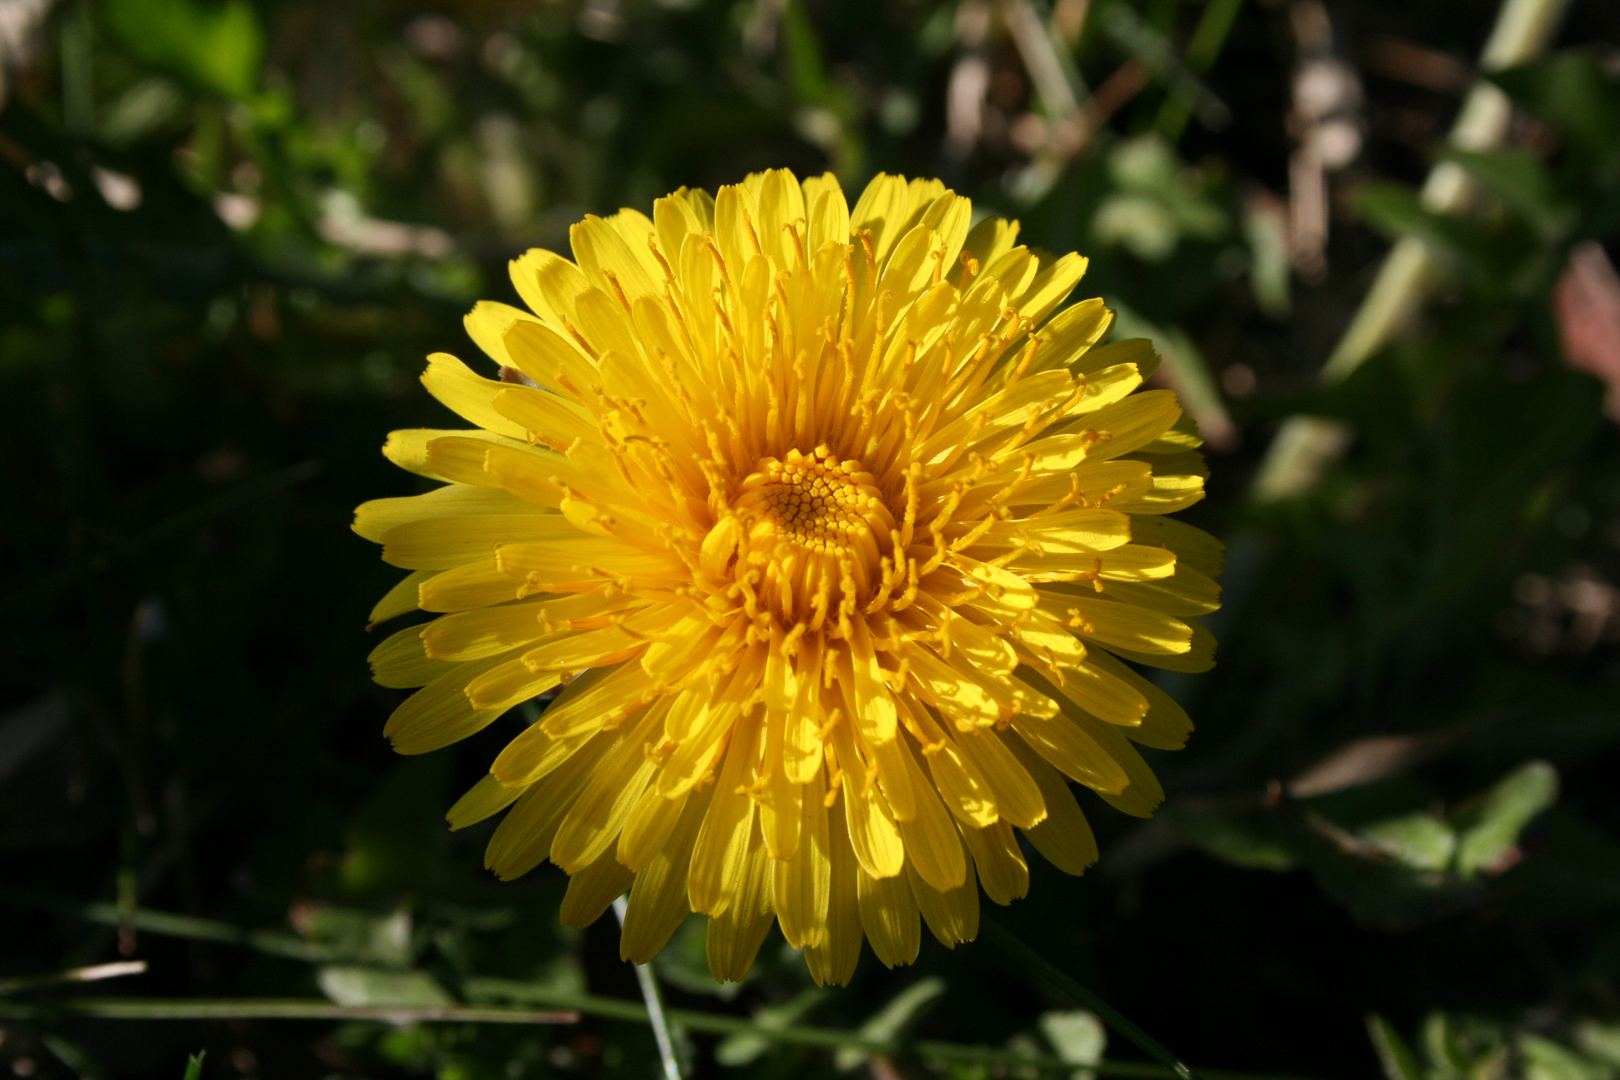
(1077, 1035)
(194, 1066)
(1599, 1041)
(1421, 841)
(1396, 1058)
(1547, 1060)
(1248, 838)
(889, 1021)
(352, 985)
(1396, 211)
(381, 939)
(1517, 177)
(1573, 91)
(214, 46)
(744, 1047)
(1488, 828)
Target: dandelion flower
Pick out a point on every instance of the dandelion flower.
(834, 538)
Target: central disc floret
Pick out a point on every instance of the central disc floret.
(818, 529)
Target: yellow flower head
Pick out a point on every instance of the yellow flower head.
(833, 541)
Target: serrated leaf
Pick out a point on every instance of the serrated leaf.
(744, 1047)
(890, 1020)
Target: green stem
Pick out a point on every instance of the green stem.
(716, 1024)
(1064, 984)
(290, 1009)
(274, 942)
(1207, 41)
(286, 945)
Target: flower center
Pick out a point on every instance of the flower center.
(818, 532)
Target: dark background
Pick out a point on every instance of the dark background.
(230, 232)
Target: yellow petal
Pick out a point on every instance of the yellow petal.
(649, 826)
(948, 688)
(1064, 838)
(933, 849)
(1188, 593)
(882, 210)
(952, 916)
(544, 355)
(1118, 625)
(801, 739)
(801, 885)
(1169, 493)
(1133, 423)
(508, 684)
(735, 934)
(475, 585)
(439, 713)
(375, 519)
(1143, 795)
(592, 889)
(1194, 547)
(990, 239)
(605, 702)
(780, 813)
(1053, 283)
(720, 862)
(829, 212)
(1199, 655)
(1100, 692)
(598, 247)
(523, 839)
(1137, 351)
(832, 960)
(658, 899)
(551, 418)
(468, 395)
(471, 635)
(1073, 751)
(442, 543)
(889, 917)
(586, 705)
(406, 596)
(1166, 725)
(873, 834)
(459, 456)
(401, 661)
(1018, 799)
(955, 777)
(548, 283)
(486, 798)
(1076, 531)
(408, 448)
(1002, 870)
(593, 823)
(1073, 331)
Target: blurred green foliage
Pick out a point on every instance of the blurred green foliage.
(231, 229)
